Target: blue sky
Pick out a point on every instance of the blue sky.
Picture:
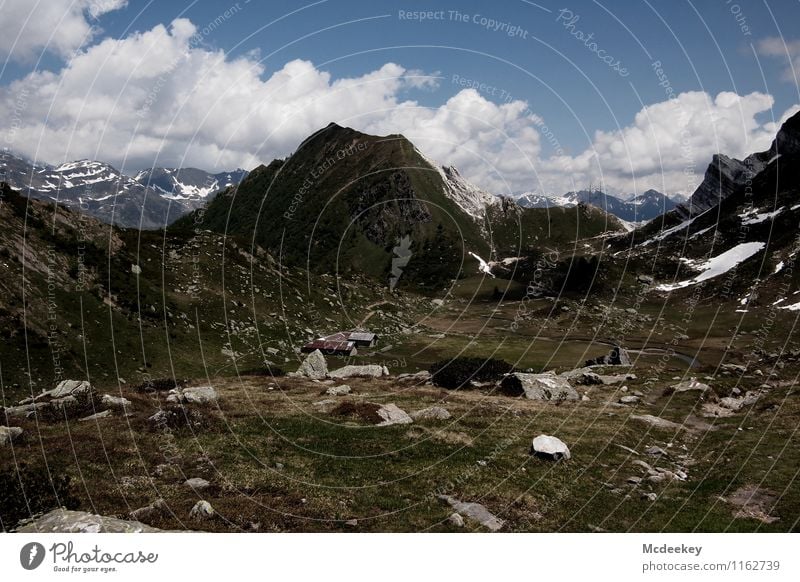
(537, 55)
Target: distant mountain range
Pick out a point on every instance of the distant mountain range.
(643, 207)
(152, 199)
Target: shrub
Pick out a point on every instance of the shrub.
(459, 372)
(157, 385)
(271, 371)
(26, 491)
(366, 411)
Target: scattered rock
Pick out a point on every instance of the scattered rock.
(115, 401)
(66, 521)
(475, 512)
(338, 390)
(149, 511)
(202, 510)
(96, 416)
(690, 385)
(193, 395)
(432, 413)
(392, 414)
(8, 434)
(634, 480)
(68, 388)
(456, 520)
(655, 452)
(314, 366)
(546, 386)
(351, 523)
(550, 447)
(753, 502)
(656, 422)
(649, 496)
(629, 399)
(368, 371)
(197, 483)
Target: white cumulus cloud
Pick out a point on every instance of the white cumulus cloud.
(31, 27)
(159, 97)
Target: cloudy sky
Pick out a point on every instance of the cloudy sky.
(519, 95)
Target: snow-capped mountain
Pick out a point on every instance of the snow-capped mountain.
(191, 186)
(100, 190)
(639, 208)
(469, 197)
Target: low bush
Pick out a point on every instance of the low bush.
(27, 491)
(459, 372)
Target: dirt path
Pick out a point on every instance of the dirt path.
(371, 311)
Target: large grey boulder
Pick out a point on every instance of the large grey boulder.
(66, 521)
(368, 371)
(550, 447)
(193, 395)
(314, 366)
(392, 414)
(475, 512)
(197, 483)
(8, 434)
(545, 386)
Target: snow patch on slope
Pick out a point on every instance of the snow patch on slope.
(717, 266)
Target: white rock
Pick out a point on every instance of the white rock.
(193, 395)
(546, 386)
(202, 510)
(115, 401)
(368, 371)
(8, 434)
(392, 414)
(690, 385)
(338, 390)
(314, 366)
(456, 520)
(197, 483)
(475, 512)
(69, 388)
(550, 447)
(432, 413)
(96, 416)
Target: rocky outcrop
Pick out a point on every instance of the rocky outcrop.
(546, 386)
(66, 521)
